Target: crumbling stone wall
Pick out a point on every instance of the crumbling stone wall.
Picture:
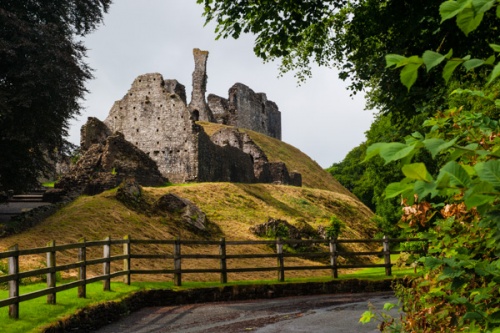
(233, 138)
(223, 163)
(264, 171)
(246, 109)
(153, 116)
(106, 161)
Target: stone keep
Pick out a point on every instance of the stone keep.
(243, 108)
(246, 109)
(155, 117)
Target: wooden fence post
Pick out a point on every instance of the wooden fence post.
(281, 263)
(82, 270)
(14, 284)
(223, 263)
(387, 256)
(177, 263)
(106, 269)
(126, 261)
(333, 257)
(51, 276)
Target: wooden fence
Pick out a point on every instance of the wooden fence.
(14, 275)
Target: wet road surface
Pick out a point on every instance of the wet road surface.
(336, 313)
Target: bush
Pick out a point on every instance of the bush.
(335, 228)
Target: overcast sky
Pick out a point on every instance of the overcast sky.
(150, 36)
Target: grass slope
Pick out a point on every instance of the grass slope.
(231, 209)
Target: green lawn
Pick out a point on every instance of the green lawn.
(36, 313)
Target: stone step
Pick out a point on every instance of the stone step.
(26, 198)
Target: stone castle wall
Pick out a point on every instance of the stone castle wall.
(246, 109)
(154, 116)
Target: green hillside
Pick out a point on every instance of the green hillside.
(232, 209)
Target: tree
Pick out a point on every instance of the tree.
(42, 76)
(353, 36)
(458, 288)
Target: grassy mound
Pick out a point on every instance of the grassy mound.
(231, 209)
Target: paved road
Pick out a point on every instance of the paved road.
(338, 313)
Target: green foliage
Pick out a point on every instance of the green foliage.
(280, 230)
(42, 76)
(469, 15)
(335, 228)
(351, 174)
(457, 207)
(36, 313)
(386, 321)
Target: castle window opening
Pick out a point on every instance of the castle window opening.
(135, 119)
(157, 142)
(196, 115)
(157, 130)
(137, 130)
(158, 118)
(156, 152)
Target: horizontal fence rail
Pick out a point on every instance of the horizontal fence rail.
(14, 276)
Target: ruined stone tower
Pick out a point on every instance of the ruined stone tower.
(246, 109)
(198, 105)
(155, 117)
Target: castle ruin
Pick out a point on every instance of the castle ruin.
(155, 117)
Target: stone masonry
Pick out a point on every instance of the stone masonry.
(198, 105)
(246, 109)
(155, 117)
